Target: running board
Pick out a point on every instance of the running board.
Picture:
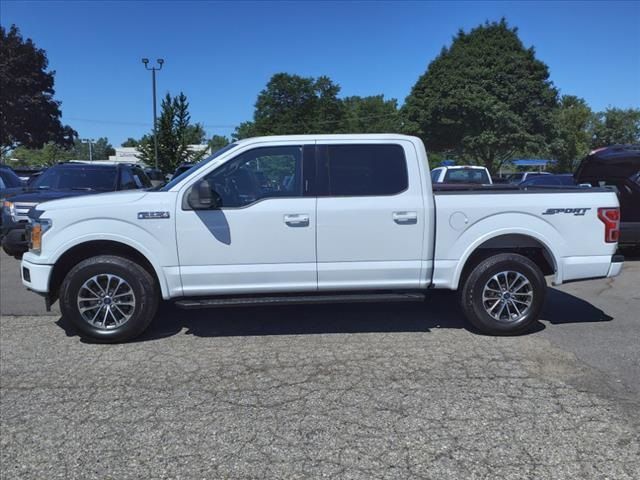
(194, 303)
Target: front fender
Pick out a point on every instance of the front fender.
(157, 244)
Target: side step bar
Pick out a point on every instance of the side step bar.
(193, 303)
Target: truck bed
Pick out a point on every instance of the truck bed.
(562, 220)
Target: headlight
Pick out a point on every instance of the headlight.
(10, 209)
(35, 231)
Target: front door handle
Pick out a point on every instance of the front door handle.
(405, 218)
(297, 220)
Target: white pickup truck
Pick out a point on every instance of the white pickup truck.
(311, 219)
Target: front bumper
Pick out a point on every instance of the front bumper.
(35, 276)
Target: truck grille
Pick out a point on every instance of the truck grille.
(22, 211)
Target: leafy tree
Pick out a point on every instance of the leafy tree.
(175, 134)
(29, 115)
(195, 134)
(616, 125)
(292, 104)
(217, 142)
(130, 142)
(48, 155)
(100, 149)
(573, 122)
(485, 97)
(52, 153)
(371, 114)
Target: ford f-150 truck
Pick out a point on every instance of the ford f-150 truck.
(312, 219)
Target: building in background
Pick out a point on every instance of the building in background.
(131, 154)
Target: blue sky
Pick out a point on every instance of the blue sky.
(222, 54)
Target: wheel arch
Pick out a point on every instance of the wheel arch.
(92, 248)
(536, 248)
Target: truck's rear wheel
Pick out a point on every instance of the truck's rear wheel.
(109, 298)
(503, 294)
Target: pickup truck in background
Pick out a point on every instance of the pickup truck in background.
(618, 168)
(311, 219)
(462, 174)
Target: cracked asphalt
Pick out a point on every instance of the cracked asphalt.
(341, 391)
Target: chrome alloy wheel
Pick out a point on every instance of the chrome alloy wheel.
(507, 296)
(106, 301)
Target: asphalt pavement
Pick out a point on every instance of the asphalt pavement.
(336, 391)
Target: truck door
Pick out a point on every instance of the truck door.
(262, 237)
(371, 217)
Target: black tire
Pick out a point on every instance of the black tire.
(473, 287)
(141, 282)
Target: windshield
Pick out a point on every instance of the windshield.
(77, 178)
(467, 175)
(175, 180)
(9, 179)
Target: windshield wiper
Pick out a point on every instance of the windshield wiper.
(85, 189)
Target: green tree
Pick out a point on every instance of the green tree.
(573, 123)
(217, 142)
(291, 104)
(52, 153)
(195, 134)
(371, 114)
(101, 149)
(29, 114)
(485, 97)
(175, 134)
(616, 125)
(130, 142)
(48, 155)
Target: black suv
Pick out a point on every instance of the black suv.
(63, 181)
(617, 167)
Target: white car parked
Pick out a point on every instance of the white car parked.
(309, 219)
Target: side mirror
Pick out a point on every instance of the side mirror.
(201, 198)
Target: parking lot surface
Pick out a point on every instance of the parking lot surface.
(340, 391)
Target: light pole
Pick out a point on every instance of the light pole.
(153, 81)
(89, 141)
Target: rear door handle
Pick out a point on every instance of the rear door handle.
(297, 220)
(405, 218)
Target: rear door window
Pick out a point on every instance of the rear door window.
(366, 170)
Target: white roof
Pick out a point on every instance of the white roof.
(341, 136)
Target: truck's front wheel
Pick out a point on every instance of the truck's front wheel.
(109, 298)
(503, 294)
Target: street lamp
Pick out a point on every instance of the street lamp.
(89, 141)
(153, 69)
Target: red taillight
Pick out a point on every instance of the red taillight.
(611, 219)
